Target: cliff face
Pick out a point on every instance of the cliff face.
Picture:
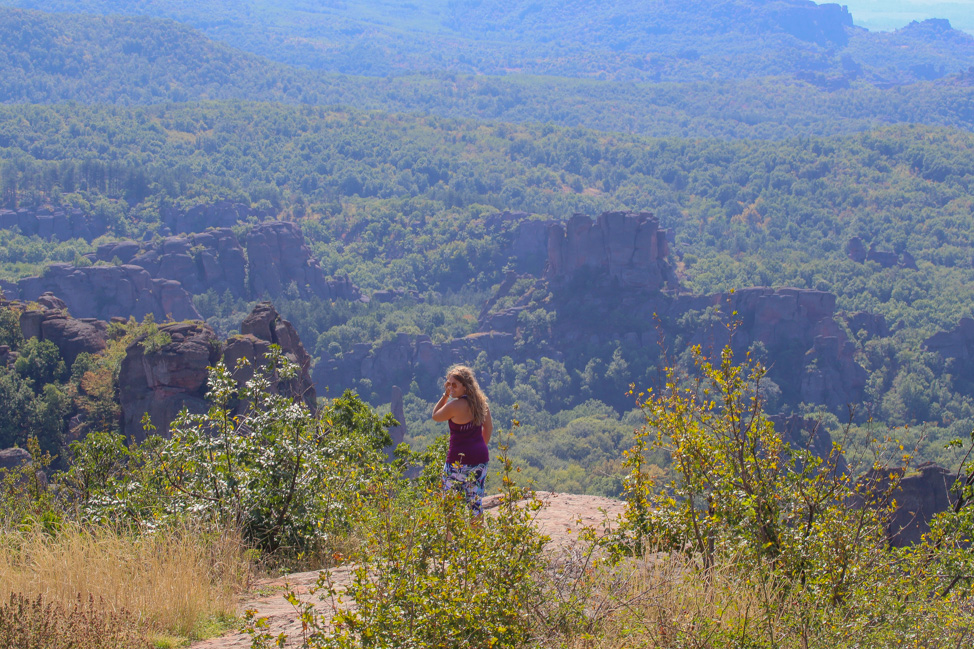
(261, 329)
(104, 292)
(628, 247)
(199, 262)
(279, 257)
(808, 354)
(57, 225)
(164, 382)
(276, 257)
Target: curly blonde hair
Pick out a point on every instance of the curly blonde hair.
(475, 396)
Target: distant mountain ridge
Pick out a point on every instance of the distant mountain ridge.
(645, 40)
(53, 58)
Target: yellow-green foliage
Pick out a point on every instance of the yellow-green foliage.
(766, 545)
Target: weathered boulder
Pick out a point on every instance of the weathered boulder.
(105, 291)
(280, 258)
(13, 458)
(628, 247)
(164, 381)
(261, 329)
(72, 336)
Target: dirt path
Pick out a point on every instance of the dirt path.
(561, 518)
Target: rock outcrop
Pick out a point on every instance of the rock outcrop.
(104, 292)
(280, 258)
(276, 258)
(164, 381)
(261, 329)
(957, 348)
(54, 225)
(199, 262)
(958, 343)
(856, 251)
(72, 336)
(13, 458)
(628, 247)
(222, 214)
(919, 497)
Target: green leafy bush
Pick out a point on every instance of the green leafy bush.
(803, 544)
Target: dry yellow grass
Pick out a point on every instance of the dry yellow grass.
(173, 580)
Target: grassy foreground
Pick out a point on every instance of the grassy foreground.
(136, 588)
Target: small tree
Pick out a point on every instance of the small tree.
(277, 471)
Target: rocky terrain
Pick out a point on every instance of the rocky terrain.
(618, 263)
(158, 276)
(104, 292)
(627, 247)
(164, 381)
(214, 259)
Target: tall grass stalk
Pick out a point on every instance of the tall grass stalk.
(174, 580)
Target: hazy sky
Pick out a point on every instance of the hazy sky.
(877, 15)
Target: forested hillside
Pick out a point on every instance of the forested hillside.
(643, 41)
(712, 258)
(54, 58)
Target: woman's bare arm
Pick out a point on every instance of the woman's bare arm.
(488, 427)
(446, 409)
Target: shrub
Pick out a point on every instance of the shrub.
(427, 575)
(779, 546)
(276, 471)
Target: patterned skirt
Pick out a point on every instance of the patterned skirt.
(469, 482)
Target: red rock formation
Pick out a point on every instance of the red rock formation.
(279, 257)
(105, 291)
(627, 246)
(261, 329)
(163, 382)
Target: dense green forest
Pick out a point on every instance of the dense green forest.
(402, 202)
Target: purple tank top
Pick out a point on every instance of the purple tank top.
(467, 447)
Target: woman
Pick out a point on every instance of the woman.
(464, 405)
